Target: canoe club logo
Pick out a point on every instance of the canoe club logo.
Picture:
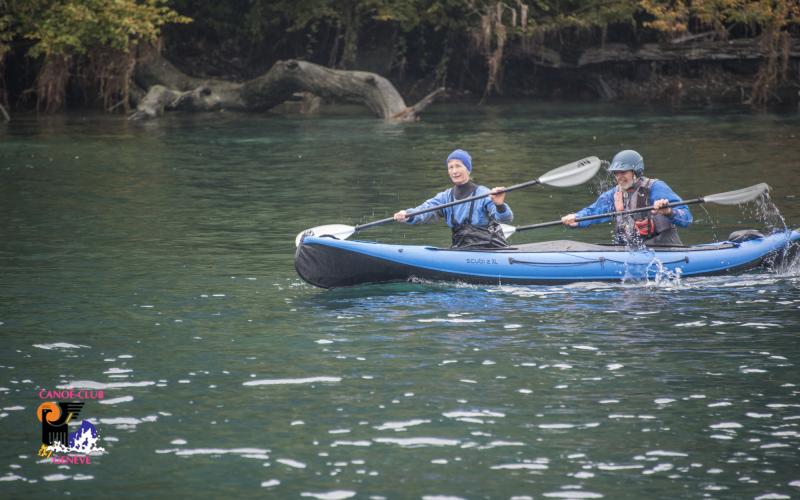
(58, 444)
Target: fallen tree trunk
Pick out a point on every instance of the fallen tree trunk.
(733, 50)
(171, 89)
(686, 49)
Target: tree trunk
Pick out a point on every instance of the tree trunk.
(684, 50)
(351, 25)
(170, 89)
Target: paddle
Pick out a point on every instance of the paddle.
(567, 175)
(730, 198)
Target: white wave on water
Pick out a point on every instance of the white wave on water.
(747, 283)
(498, 444)
(556, 426)
(692, 323)
(418, 442)
(522, 466)
(291, 463)
(351, 443)
(60, 345)
(56, 477)
(330, 495)
(529, 291)
(400, 426)
(662, 467)
(257, 453)
(473, 414)
(572, 494)
(114, 401)
(290, 381)
(90, 384)
(12, 477)
(605, 466)
(664, 401)
(726, 425)
(270, 483)
(128, 422)
(662, 453)
(451, 320)
(720, 403)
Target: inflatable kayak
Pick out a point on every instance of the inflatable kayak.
(331, 263)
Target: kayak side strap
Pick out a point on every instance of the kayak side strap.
(600, 260)
(512, 260)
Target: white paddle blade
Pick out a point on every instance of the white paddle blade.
(739, 196)
(508, 230)
(338, 231)
(573, 173)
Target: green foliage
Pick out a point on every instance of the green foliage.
(441, 34)
(554, 15)
(70, 27)
(6, 31)
(100, 32)
(680, 16)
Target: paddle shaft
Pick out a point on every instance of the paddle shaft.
(445, 205)
(611, 214)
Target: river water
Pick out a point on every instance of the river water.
(153, 262)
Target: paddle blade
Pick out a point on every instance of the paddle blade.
(508, 230)
(338, 231)
(573, 173)
(739, 196)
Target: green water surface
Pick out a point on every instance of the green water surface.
(153, 261)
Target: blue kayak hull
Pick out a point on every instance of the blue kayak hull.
(330, 263)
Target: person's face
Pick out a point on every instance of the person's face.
(458, 172)
(625, 178)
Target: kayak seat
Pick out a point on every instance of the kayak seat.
(744, 235)
(559, 246)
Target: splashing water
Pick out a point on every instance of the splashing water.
(661, 276)
(84, 440)
(765, 211)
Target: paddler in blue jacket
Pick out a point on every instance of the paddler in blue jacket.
(475, 224)
(633, 190)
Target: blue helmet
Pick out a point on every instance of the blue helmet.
(627, 160)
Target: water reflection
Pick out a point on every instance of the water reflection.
(155, 261)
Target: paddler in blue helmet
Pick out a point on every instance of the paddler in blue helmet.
(633, 190)
(475, 224)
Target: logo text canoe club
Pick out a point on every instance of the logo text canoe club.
(59, 444)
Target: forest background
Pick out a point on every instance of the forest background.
(61, 54)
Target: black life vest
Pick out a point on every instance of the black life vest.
(642, 227)
(469, 235)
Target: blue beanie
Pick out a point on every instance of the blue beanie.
(460, 154)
